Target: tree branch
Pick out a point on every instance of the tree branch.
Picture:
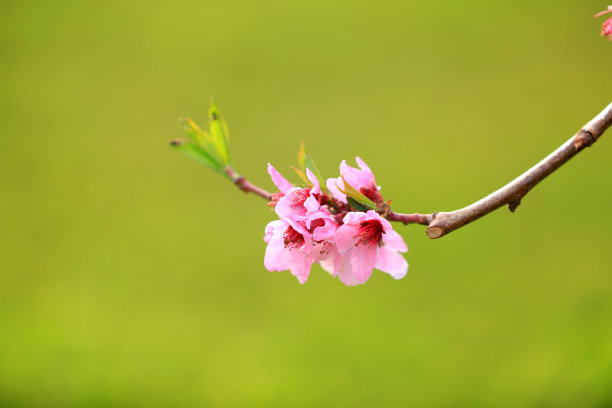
(442, 223)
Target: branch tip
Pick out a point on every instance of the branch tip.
(435, 231)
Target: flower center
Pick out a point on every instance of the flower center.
(370, 233)
(324, 247)
(292, 238)
(301, 196)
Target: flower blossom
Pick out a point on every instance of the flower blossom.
(368, 241)
(314, 228)
(362, 179)
(606, 28)
(305, 232)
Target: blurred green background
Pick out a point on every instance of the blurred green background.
(131, 276)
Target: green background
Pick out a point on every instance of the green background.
(131, 276)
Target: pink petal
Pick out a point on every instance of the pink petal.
(358, 178)
(346, 274)
(346, 237)
(291, 203)
(394, 242)
(276, 258)
(333, 262)
(355, 217)
(279, 181)
(391, 262)
(363, 260)
(366, 172)
(317, 215)
(332, 186)
(315, 182)
(325, 232)
(322, 250)
(300, 268)
(350, 174)
(298, 224)
(274, 227)
(362, 165)
(311, 204)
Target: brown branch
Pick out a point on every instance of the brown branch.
(442, 223)
(246, 185)
(423, 219)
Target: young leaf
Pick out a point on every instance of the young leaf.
(355, 204)
(201, 138)
(352, 193)
(302, 175)
(305, 161)
(196, 152)
(219, 133)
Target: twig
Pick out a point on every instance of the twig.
(423, 219)
(442, 223)
(246, 185)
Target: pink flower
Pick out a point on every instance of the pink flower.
(606, 28)
(288, 249)
(293, 199)
(314, 229)
(324, 227)
(362, 179)
(367, 241)
(305, 232)
(296, 242)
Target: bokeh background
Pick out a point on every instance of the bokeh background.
(131, 276)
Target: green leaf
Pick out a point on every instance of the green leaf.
(201, 138)
(306, 162)
(355, 204)
(301, 175)
(357, 196)
(197, 153)
(219, 133)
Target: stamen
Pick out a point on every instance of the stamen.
(301, 196)
(293, 239)
(370, 233)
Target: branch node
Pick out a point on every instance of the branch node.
(583, 139)
(513, 205)
(240, 182)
